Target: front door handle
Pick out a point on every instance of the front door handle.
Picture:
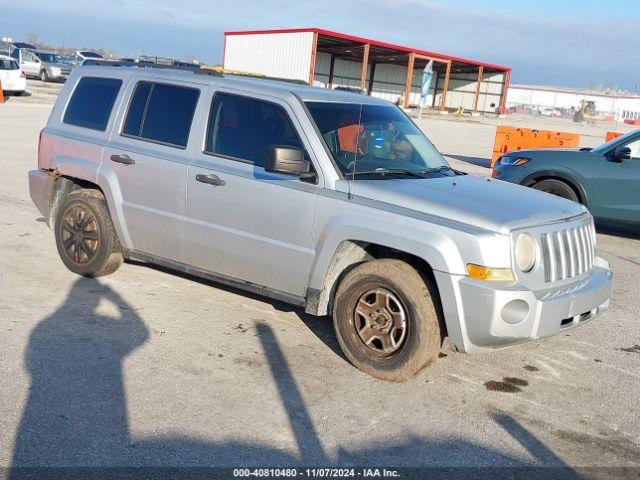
(210, 180)
(125, 159)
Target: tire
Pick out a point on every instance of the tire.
(44, 76)
(86, 239)
(405, 293)
(557, 188)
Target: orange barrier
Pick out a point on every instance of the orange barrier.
(1, 94)
(509, 139)
(611, 135)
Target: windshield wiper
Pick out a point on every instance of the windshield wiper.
(437, 169)
(392, 171)
(442, 168)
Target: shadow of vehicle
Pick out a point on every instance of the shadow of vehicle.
(479, 161)
(321, 327)
(75, 423)
(618, 229)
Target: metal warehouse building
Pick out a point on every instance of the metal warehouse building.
(623, 106)
(330, 59)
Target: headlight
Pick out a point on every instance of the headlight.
(526, 252)
(514, 161)
(55, 71)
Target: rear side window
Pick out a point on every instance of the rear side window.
(161, 113)
(244, 128)
(8, 65)
(92, 102)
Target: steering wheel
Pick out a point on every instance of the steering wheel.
(367, 156)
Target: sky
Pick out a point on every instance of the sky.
(578, 43)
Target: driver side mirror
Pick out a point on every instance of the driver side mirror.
(289, 161)
(620, 154)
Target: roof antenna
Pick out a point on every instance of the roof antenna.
(356, 139)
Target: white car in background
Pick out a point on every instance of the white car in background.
(81, 55)
(12, 77)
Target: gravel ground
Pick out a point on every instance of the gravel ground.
(146, 367)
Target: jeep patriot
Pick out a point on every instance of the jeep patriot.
(331, 201)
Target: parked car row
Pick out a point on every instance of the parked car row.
(47, 66)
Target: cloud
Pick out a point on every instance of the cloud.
(542, 47)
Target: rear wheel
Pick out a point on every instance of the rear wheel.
(85, 237)
(385, 320)
(557, 188)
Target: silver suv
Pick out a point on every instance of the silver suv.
(331, 201)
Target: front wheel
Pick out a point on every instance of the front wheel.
(44, 76)
(386, 321)
(557, 188)
(86, 239)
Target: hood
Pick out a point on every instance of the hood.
(545, 151)
(485, 203)
(58, 64)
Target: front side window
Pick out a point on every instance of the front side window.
(161, 113)
(244, 128)
(92, 102)
(27, 56)
(365, 140)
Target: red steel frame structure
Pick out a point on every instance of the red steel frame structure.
(398, 54)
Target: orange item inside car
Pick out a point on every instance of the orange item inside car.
(348, 137)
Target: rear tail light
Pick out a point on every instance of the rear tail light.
(39, 147)
(22, 74)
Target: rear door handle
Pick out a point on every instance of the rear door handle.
(125, 159)
(210, 179)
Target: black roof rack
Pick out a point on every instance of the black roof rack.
(146, 64)
(195, 69)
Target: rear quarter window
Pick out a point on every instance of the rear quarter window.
(91, 103)
(8, 65)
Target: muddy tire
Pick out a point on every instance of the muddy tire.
(557, 188)
(87, 242)
(386, 320)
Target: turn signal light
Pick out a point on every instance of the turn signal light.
(489, 274)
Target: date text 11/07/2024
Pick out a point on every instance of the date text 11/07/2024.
(315, 473)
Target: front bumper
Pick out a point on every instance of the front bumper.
(40, 184)
(57, 77)
(486, 316)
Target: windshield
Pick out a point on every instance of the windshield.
(368, 139)
(51, 58)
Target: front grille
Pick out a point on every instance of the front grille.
(568, 253)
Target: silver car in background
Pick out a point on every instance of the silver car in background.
(331, 201)
(53, 67)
